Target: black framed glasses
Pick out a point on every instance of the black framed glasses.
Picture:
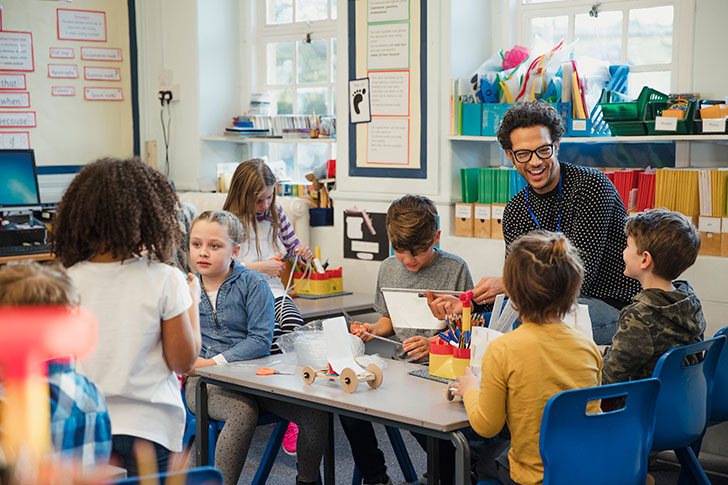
(543, 152)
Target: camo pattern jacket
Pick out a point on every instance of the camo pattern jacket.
(654, 323)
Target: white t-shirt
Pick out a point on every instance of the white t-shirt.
(249, 254)
(130, 301)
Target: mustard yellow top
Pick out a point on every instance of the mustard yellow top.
(521, 371)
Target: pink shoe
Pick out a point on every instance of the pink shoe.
(290, 438)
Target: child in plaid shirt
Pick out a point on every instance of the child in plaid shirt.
(80, 425)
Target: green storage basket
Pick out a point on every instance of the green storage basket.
(628, 110)
(684, 126)
(627, 128)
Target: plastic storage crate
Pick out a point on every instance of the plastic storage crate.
(628, 110)
(708, 109)
(684, 126)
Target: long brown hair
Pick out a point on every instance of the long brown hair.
(250, 179)
(119, 206)
(543, 275)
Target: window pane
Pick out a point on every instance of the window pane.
(282, 152)
(599, 37)
(529, 2)
(312, 61)
(312, 100)
(279, 11)
(282, 101)
(659, 80)
(550, 29)
(650, 36)
(280, 62)
(308, 155)
(333, 60)
(311, 10)
(333, 10)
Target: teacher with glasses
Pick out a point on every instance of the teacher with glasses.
(578, 201)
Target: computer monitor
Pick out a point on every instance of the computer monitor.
(18, 181)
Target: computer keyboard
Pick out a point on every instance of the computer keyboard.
(23, 250)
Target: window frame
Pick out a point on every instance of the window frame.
(294, 32)
(682, 31)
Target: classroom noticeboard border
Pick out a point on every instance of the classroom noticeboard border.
(414, 173)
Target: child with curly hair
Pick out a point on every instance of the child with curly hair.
(116, 231)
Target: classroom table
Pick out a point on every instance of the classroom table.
(354, 304)
(27, 257)
(403, 401)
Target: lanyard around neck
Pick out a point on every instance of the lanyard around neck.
(533, 216)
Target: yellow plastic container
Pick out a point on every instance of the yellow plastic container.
(441, 359)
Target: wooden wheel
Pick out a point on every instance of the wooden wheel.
(378, 377)
(309, 375)
(349, 381)
(449, 393)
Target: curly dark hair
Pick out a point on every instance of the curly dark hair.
(119, 206)
(533, 113)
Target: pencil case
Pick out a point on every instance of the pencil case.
(447, 361)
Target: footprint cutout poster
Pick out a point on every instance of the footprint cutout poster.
(359, 101)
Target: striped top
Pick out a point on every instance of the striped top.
(285, 232)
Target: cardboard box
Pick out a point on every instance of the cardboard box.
(496, 221)
(481, 223)
(464, 220)
(724, 238)
(710, 235)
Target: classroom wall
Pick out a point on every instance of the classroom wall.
(176, 35)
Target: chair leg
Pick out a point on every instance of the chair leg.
(270, 453)
(690, 464)
(400, 451)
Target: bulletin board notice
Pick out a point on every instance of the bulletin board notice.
(65, 80)
(388, 53)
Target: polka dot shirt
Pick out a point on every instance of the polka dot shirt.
(592, 218)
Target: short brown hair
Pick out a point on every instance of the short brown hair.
(412, 224)
(670, 238)
(543, 276)
(30, 283)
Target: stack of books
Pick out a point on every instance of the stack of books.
(245, 132)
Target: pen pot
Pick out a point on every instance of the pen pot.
(441, 359)
(460, 360)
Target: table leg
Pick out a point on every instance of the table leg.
(329, 468)
(462, 458)
(433, 461)
(202, 420)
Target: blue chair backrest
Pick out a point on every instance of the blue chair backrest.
(608, 448)
(719, 397)
(206, 475)
(682, 406)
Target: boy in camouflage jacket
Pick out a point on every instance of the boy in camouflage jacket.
(666, 314)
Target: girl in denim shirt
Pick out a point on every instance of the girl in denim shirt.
(236, 322)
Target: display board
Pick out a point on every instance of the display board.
(65, 80)
(387, 88)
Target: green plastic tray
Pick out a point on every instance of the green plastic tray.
(628, 110)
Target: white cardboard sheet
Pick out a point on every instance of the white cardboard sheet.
(409, 310)
(338, 348)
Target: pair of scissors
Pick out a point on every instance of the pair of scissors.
(267, 371)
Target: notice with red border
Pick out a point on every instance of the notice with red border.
(15, 100)
(14, 139)
(63, 91)
(62, 53)
(86, 25)
(12, 81)
(102, 94)
(16, 51)
(62, 71)
(101, 73)
(17, 119)
(110, 54)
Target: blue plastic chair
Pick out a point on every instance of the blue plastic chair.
(719, 396)
(214, 428)
(607, 448)
(206, 475)
(400, 451)
(684, 401)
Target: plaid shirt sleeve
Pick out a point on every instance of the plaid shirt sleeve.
(287, 234)
(80, 424)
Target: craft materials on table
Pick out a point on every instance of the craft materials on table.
(267, 371)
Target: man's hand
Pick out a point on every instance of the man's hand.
(443, 305)
(487, 289)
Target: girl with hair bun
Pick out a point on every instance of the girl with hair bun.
(523, 369)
